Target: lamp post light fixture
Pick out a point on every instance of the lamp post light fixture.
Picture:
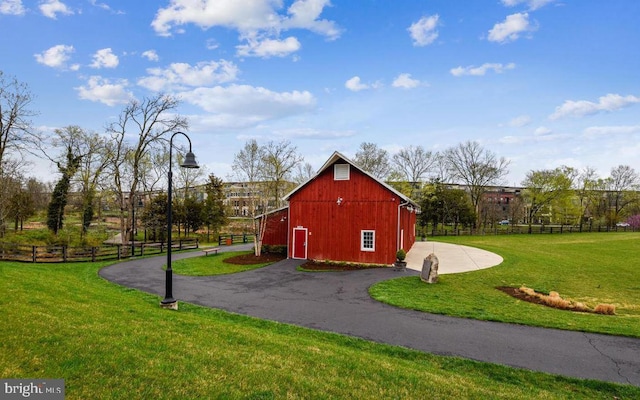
(188, 162)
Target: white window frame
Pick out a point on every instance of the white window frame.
(341, 172)
(363, 241)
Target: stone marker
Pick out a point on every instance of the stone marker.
(429, 272)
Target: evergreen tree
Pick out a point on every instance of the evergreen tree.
(213, 207)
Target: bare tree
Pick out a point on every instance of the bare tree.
(304, 173)
(477, 168)
(413, 162)
(148, 121)
(372, 159)
(16, 132)
(247, 164)
(279, 160)
(440, 170)
(155, 167)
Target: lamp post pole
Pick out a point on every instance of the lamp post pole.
(133, 226)
(189, 162)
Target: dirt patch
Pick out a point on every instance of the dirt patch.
(312, 265)
(250, 259)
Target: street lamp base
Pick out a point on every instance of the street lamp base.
(169, 305)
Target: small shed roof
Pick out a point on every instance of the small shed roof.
(336, 156)
(277, 210)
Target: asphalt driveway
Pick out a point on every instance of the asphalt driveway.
(339, 302)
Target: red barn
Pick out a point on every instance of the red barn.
(345, 214)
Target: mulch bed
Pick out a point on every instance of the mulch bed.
(519, 294)
(515, 292)
(250, 259)
(326, 266)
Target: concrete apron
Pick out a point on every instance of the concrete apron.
(453, 258)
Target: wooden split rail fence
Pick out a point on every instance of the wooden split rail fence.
(27, 253)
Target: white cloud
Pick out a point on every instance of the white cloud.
(520, 121)
(405, 81)
(105, 58)
(242, 106)
(481, 70)
(56, 56)
(212, 44)
(312, 133)
(269, 47)
(542, 131)
(511, 29)
(105, 6)
(424, 31)
(179, 76)
(151, 55)
(104, 91)
(355, 85)
(305, 14)
(541, 134)
(249, 16)
(51, 8)
(12, 7)
(596, 131)
(610, 102)
(532, 4)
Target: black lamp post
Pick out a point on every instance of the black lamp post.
(133, 223)
(189, 162)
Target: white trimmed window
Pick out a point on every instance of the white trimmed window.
(341, 172)
(368, 240)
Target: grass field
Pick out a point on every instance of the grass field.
(591, 268)
(110, 342)
(212, 265)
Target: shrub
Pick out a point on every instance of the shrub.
(279, 249)
(607, 309)
(401, 255)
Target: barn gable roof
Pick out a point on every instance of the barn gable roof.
(337, 156)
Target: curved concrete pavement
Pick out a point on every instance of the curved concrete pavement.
(452, 258)
(339, 302)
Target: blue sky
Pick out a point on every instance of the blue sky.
(543, 83)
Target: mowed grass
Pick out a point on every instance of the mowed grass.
(110, 342)
(213, 264)
(592, 268)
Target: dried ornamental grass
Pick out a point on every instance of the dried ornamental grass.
(553, 299)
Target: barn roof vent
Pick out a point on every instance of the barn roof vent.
(341, 172)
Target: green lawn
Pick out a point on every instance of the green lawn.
(212, 265)
(110, 342)
(591, 268)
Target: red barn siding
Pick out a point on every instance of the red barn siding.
(334, 231)
(276, 228)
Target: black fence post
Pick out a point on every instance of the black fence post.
(93, 253)
(34, 253)
(64, 253)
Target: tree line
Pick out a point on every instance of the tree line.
(129, 161)
(126, 163)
